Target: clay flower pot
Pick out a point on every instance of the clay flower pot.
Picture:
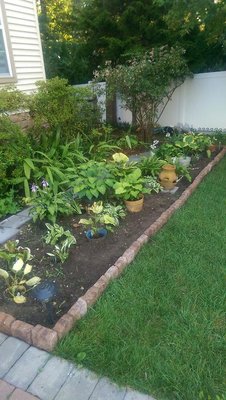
(212, 148)
(168, 176)
(134, 205)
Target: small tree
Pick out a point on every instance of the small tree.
(146, 84)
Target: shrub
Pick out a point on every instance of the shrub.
(14, 148)
(56, 104)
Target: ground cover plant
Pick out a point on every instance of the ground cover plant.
(161, 327)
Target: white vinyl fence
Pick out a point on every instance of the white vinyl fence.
(200, 103)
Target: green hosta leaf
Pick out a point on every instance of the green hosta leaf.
(33, 281)
(19, 299)
(4, 274)
(136, 173)
(17, 266)
(102, 189)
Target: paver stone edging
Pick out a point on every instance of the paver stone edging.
(46, 338)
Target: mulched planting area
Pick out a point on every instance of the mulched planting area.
(88, 260)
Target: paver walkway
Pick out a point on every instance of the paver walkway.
(27, 373)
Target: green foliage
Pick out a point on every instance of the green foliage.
(93, 180)
(78, 36)
(145, 82)
(152, 184)
(16, 270)
(11, 99)
(129, 141)
(101, 216)
(116, 212)
(8, 204)
(49, 205)
(151, 165)
(57, 104)
(57, 165)
(191, 144)
(61, 241)
(131, 186)
(167, 150)
(14, 148)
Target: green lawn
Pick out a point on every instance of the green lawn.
(161, 327)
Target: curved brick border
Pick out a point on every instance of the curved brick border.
(46, 338)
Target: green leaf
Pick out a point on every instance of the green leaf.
(26, 188)
(29, 162)
(27, 170)
(49, 174)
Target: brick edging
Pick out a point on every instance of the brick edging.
(46, 338)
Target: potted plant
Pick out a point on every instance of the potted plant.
(98, 221)
(131, 189)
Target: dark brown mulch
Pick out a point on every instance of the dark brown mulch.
(88, 260)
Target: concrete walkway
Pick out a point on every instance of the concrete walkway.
(11, 226)
(27, 373)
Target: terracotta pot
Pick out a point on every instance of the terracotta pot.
(212, 148)
(168, 176)
(134, 205)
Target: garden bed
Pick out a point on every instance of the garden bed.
(88, 260)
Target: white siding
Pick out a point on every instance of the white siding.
(25, 42)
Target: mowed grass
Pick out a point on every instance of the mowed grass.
(161, 327)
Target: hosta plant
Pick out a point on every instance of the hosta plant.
(98, 218)
(61, 241)
(16, 275)
(152, 184)
(131, 186)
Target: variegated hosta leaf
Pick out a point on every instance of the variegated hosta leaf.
(17, 266)
(19, 299)
(33, 281)
(4, 274)
(27, 269)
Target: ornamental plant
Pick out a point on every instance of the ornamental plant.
(131, 186)
(16, 271)
(99, 217)
(93, 180)
(146, 84)
(60, 239)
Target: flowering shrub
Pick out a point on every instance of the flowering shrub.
(145, 82)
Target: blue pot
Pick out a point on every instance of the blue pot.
(102, 232)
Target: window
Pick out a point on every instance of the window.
(6, 65)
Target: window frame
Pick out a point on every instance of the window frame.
(9, 54)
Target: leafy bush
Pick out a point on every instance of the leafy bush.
(14, 148)
(93, 180)
(56, 104)
(11, 99)
(151, 165)
(8, 205)
(49, 205)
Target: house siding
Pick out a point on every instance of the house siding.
(25, 41)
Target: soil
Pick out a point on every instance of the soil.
(89, 259)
